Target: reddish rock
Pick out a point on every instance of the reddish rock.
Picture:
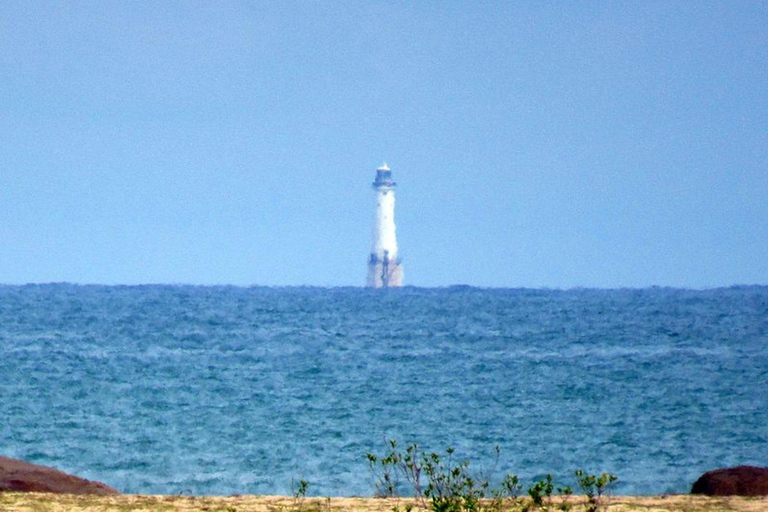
(20, 476)
(738, 481)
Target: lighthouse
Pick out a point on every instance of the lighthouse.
(384, 268)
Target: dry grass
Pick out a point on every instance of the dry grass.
(39, 502)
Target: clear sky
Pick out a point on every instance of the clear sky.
(535, 143)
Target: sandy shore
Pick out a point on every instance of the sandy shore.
(38, 502)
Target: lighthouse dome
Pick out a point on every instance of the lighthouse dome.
(384, 167)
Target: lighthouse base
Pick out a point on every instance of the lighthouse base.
(384, 272)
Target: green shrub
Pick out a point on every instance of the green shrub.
(385, 470)
(541, 492)
(444, 484)
(594, 488)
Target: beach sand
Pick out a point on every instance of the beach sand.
(40, 502)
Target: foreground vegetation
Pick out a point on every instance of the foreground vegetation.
(432, 482)
(443, 484)
(36, 502)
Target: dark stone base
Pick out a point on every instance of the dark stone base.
(20, 476)
(738, 481)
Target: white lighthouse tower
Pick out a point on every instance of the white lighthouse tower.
(384, 268)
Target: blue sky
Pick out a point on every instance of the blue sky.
(535, 143)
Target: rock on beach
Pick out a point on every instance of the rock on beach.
(738, 481)
(19, 476)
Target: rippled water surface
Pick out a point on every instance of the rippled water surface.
(220, 390)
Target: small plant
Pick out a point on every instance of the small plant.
(412, 464)
(446, 484)
(301, 489)
(541, 493)
(299, 493)
(566, 493)
(385, 470)
(594, 488)
(443, 484)
(451, 488)
(511, 486)
(508, 491)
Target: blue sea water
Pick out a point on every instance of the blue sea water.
(220, 390)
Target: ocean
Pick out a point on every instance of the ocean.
(163, 389)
